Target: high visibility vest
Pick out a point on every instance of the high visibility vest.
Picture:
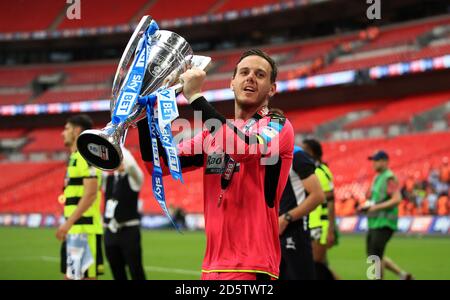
(320, 214)
(386, 217)
(77, 170)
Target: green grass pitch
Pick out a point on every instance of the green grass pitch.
(34, 254)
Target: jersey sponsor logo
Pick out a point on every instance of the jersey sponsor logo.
(215, 163)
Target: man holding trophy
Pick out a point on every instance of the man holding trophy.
(241, 196)
(246, 162)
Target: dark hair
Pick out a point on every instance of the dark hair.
(315, 147)
(83, 121)
(260, 53)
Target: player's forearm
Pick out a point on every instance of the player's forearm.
(394, 201)
(240, 145)
(331, 215)
(307, 206)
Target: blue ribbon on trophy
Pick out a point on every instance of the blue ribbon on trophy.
(130, 93)
(159, 124)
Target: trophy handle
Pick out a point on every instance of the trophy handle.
(126, 57)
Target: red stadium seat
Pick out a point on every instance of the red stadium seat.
(52, 96)
(240, 5)
(401, 111)
(165, 10)
(104, 13)
(45, 140)
(29, 15)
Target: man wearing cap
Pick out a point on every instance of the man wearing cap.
(382, 212)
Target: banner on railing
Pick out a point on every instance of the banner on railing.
(437, 225)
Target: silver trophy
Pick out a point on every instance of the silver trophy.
(169, 56)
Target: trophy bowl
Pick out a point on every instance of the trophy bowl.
(168, 56)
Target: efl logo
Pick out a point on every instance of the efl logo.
(73, 11)
(374, 10)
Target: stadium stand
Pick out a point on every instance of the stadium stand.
(409, 153)
(404, 34)
(305, 121)
(38, 192)
(113, 12)
(98, 72)
(294, 60)
(231, 5)
(104, 13)
(52, 96)
(20, 76)
(44, 140)
(11, 133)
(14, 98)
(163, 10)
(414, 152)
(29, 15)
(414, 156)
(401, 111)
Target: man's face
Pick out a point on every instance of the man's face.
(251, 84)
(380, 165)
(306, 148)
(70, 134)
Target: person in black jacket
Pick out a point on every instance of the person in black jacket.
(122, 219)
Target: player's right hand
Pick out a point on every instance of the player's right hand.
(365, 207)
(192, 81)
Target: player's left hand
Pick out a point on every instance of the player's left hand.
(62, 231)
(330, 239)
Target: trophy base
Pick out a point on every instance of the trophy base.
(98, 151)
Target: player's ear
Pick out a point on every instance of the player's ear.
(273, 90)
